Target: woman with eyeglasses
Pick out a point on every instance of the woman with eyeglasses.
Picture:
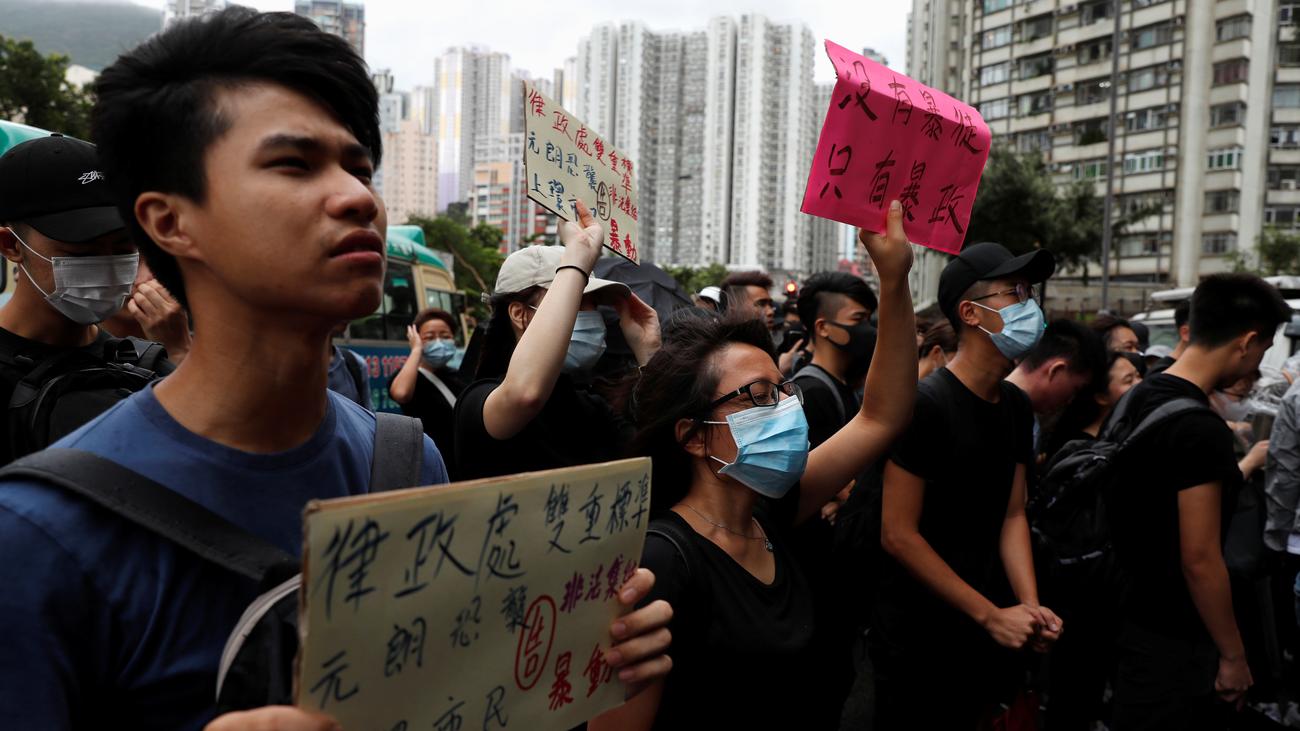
(732, 475)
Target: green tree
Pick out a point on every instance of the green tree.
(1276, 252)
(34, 90)
(475, 253)
(694, 279)
(1021, 207)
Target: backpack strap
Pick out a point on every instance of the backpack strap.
(818, 374)
(156, 508)
(399, 452)
(1162, 414)
(673, 533)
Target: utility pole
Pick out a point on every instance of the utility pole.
(1108, 206)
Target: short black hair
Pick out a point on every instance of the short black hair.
(733, 285)
(1227, 306)
(156, 110)
(818, 292)
(434, 313)
(1182, 312)
(1082, 348)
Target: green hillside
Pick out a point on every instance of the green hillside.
(91, 33)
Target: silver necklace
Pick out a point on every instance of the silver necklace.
(763, 537)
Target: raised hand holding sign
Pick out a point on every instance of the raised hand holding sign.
(888, 137)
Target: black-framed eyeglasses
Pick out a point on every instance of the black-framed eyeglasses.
(762, 393)
(1022, 292)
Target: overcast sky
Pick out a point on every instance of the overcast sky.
(406, 35)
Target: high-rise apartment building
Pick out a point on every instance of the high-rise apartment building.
(340, 17)
(1197, 88)
(178, 9)
(409, 183)
(472, 99)
(500, 194)
(722, 126)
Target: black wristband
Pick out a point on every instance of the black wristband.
(574, 267)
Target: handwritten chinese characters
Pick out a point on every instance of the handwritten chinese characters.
(887, 137)
(566, 161)
(481, 604)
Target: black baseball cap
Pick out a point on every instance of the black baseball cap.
(54, 184)
(981, 262)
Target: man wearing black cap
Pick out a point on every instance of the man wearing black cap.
(953, 509)
(74, 262)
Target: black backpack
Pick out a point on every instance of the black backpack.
(257, 664)
(1067, 514)
(56, 396)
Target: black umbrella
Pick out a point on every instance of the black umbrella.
(649, 282)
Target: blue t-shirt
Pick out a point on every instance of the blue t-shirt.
(108, 625)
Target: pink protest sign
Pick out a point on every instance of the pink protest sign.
(887, 137)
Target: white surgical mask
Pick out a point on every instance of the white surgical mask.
(87, 289)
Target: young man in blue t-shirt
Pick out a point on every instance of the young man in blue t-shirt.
(240, 147)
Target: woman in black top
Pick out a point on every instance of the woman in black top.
(426, 387)
(532, 407)
(729, 440)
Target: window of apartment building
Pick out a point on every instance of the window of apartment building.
(1090, 169)
(1037, 103)
(1147, 3)
(996, 109)
(1034, 66)
(1232, 28)
(1283, 177)
(1095, 12)
(1144, 244)
(996, 38)
(1144, 162)
(1222, 201)
(992, 6)
(1226, 115)
(1090, 131)
(1286, 96)
(1218, 242)
(1281, 216)
(1035, 141)
(1151, 203)
(1035, 28)
(995, 73)
(1288, 12)
(1288, 54)
(1141, 120)
(1094, 51)
(1231, 71)
(1284, 136)
(1153, 35)
(1148, 78)
(1226, 158)
(1092, 91)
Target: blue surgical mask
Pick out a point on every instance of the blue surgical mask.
(1022, 326)
(771, 447)
(437, 353)
(587, 344)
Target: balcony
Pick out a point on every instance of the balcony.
(1237, 48)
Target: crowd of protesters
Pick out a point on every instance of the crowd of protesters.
(850, 502)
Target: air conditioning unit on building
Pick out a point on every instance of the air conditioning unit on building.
(1063, 87)
(1175, 64)
(1065, 50)
(1060, 127)
(1287, 184)
(1066, 9)
(1178, 21)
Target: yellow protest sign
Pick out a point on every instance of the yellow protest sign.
(566, 161)
(473, 605)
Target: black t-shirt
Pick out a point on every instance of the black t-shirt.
(575, 427)
(740, 648)
(1142, 503)
(966, 450)
(15, 346)
(434, 411)
(824, 417)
